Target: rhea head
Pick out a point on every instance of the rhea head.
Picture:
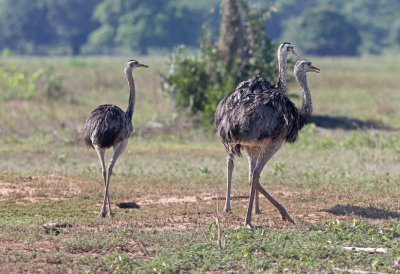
(286, 49)
(132, 64)
(303, 66)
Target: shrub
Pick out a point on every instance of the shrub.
(198, 82)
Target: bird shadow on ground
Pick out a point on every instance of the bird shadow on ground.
(128, 205)
(347, 123)
(370, 212)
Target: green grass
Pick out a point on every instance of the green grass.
(123, 249)
(341, 186)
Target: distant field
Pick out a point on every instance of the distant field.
(341, 186)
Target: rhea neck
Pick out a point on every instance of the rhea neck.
(131, 104)
(306, 107)
(282, 60)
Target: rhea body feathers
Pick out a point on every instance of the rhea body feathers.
(106, 125)
(249, 115)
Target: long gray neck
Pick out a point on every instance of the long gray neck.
(131, 104)
(281, 82)
(306, 107)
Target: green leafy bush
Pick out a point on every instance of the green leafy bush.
(198, 82)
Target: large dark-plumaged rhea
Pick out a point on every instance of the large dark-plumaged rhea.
(109, 126)
(255, 85)
(259, 123)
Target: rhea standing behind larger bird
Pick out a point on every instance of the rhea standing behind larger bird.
(259, 123)
(109, 126)
(255, 85)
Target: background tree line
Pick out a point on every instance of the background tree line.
(321, 27)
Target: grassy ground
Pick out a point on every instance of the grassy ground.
(341, 186)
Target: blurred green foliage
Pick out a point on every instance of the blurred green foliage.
(72, 21)
(323, 31)
(60, 27)
(376, 21)
(21, 84)
(138, 25)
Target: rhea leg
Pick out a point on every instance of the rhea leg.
(229, 167)
(100, 152)
(252, 154)
(259, 188)
(253, 180)
(252, 158)
(282, 210)
(118, 150)
(256, 203)
(266, 152)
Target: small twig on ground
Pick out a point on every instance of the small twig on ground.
(351, 271)
(218, 228)
(366, 249)
(237, 197)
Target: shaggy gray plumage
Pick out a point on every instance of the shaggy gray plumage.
(259, 121)
(106, 125)
(245, 90)
(256, 116)
(109, 126)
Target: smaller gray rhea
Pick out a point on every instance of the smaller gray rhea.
(109, 126)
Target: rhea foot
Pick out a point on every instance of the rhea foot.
(103, 213)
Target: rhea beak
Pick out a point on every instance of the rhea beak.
(293, 52)
(314, 69)
(143, 66)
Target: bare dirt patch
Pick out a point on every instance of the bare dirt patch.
(7, 188)
(306, 208)
(154, 199)
(35, 188)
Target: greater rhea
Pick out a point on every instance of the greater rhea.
(109, 126)
(259, 123)
(255, 85)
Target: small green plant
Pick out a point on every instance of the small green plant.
(204, 169)
(5, 52)
(213, 227)
(243, 233)
(279, 168)
(62, 158)
(120, 262)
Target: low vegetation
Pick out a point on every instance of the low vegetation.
(29, 85)
(341, 186)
